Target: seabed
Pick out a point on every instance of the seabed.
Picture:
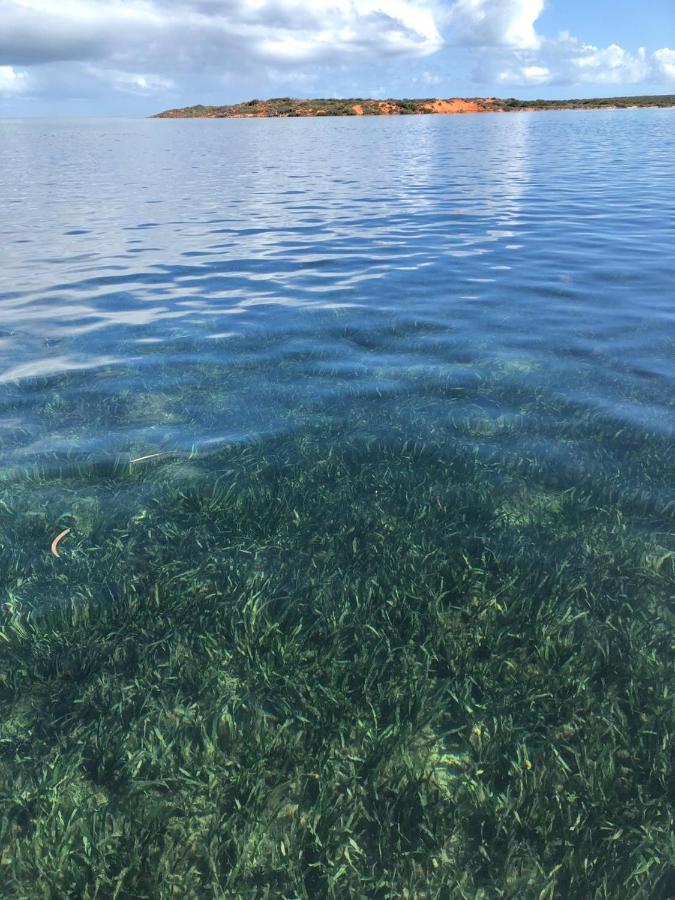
(340, 664)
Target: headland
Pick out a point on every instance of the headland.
(288, 107)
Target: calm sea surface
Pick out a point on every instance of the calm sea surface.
(171, 285)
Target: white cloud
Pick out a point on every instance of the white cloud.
(512, 52)
(565, 60)
(664, 60)
(608, 65)
(186, 48)
(133, 82)
(536, 74)
(194, 33)
(496, 23)
(11, 81)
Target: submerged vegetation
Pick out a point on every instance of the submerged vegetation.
(288, 107)
(339, 666)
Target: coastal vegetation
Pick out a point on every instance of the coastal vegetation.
(287, 107)
(340, 664)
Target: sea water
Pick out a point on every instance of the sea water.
(337, 481)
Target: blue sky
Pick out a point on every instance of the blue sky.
(121, 57)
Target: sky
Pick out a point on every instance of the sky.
(136, 57)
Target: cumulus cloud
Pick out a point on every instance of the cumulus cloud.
(172, 48)
(132, 82)
(566, 60)
(194, 32)
(511, 51)
(664, 60)
(40, 31)
(11, 81)
(495, 23)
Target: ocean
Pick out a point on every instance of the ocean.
(336, 505)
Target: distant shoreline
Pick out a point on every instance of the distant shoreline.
(288, 107)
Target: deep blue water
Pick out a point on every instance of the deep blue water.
(171, 286)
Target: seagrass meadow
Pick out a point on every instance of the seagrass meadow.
(341, 665)
(337, 508)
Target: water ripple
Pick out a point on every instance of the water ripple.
(191, 283)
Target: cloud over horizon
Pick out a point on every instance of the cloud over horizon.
(566, 60)
(152, 48)
(495, 23)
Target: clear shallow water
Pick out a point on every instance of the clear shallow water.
(169, 286)
(358, 435)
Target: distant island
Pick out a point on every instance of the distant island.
(287, 107)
